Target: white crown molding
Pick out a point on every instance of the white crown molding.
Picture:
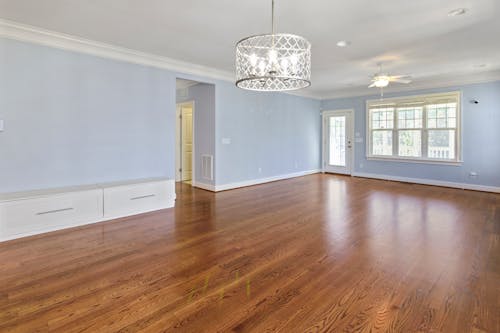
(432, 182)
(26, 33)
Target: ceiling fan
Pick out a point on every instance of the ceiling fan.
(382, 80)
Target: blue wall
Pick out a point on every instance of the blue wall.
(480, 135)
(278, 133)
(203, 96)
(74, 119)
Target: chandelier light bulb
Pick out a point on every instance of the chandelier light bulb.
(273, 56)
(253, 59)
(262, 67)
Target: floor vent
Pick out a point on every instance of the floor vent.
(207, 167)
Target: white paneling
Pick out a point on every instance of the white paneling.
(133, 199)
(30, 213)
(41, 214)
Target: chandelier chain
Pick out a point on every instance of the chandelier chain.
(273, 24)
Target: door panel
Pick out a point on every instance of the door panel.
(187, 143)
(338, 141)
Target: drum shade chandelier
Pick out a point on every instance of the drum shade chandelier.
(273, 62)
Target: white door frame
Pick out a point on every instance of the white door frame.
(178, 140)
(325, 115)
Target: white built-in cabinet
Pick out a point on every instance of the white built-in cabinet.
(29, 213)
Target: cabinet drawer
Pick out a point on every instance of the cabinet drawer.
(36, 215)
(138, 198)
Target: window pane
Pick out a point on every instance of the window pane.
(441, 123)
(442, 115)
(441, 144)
(382, 118)
(382, 143)
(337, 141)
(452, 112)
(432, 112)
(410, 117)
(410, 143)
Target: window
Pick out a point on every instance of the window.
(420, 128)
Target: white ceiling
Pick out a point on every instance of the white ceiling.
(410, 37)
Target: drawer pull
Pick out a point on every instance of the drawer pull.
(143, 197)
(54, 211)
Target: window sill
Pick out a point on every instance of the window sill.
(413, 160)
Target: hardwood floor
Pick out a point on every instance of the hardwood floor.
(320, 253)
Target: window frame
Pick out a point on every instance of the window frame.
(408, 101)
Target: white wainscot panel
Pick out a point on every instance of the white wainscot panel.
(28, 216)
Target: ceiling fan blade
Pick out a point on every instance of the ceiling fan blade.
(371, 85)
(400, 76)
(402, 80)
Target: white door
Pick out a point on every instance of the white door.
(187, 143)
(184, 142)
(338, 128)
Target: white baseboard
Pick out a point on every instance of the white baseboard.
(245, 183)
(463, 186)
(208, 187)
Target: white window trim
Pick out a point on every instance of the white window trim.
(408, 99)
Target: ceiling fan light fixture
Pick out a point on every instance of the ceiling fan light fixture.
(273, 62)
(381, 82)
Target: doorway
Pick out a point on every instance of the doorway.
(338, 147)
(184, 142)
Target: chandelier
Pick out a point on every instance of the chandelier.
(273, 62)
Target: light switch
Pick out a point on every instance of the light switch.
(359, 140)
(1, 125)
(226, 141)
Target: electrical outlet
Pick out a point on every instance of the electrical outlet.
(260, 170)
(1, 125)
(473, 174)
